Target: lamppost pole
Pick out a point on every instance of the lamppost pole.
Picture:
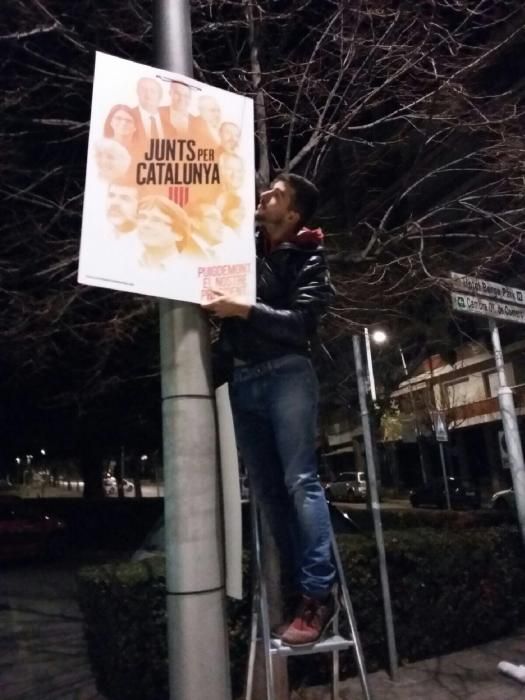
(197, 633)
(374, 501)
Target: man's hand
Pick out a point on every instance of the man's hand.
(227, 305)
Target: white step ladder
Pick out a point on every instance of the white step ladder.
(260, 625)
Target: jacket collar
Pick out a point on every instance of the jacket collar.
(306, 239)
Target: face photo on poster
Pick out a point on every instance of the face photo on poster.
(170, 192)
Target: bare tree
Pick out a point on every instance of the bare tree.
(408, 115)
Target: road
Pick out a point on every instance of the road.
(149, 490)
(42, 649)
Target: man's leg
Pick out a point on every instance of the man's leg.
(256, 443)
(294, 400)
(276, 421)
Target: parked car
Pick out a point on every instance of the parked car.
(348, 486)
(28, 531)
(503, 500)
(433, 494)
(110, 485)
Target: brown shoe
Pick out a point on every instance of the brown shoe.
(278, 631)
(311, 621)
(290, 604)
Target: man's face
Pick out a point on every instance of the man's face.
(155, 229)
(211, 222)
(149, 93)
(210, 112)
(230, 136)
(180, 97)
(121, 206)
(232, 171)
(275, 204)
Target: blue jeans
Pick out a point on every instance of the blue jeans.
(274, 406)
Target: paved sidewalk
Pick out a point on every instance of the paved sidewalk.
(471, 674)
(43, 654)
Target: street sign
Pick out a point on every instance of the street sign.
(477, 305)
(440, 425)
(484, 288)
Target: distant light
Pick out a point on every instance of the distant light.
(143, 458)
(379, 337)
(43, 452)
(17, 460)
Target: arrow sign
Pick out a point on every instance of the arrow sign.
(478, 306)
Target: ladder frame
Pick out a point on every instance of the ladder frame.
(274, 647)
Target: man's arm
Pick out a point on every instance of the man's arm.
(228, 306)
(294, 324)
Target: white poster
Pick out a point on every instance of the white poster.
(170, 192)
(231, 493)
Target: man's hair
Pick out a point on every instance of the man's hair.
(179, 220)
(305, 195)
(147, 79)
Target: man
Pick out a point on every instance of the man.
(230, 136)
(177, 115)
(121, 207)
(150, 122)
(231, 170)
(163, 229)
(232, 209)
(274, 394)
(207, 124)
(210, 239)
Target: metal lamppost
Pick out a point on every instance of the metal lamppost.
(374, 501)
(197, 633)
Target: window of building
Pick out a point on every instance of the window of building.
(491, 379)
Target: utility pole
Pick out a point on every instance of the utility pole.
(197, 633)
(374, 503)
(510, 426)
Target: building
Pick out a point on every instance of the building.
(466, 393)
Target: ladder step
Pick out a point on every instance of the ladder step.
(335, 643)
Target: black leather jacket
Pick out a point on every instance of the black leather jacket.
(293, 291)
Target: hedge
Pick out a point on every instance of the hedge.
(429, 517)
(450, 589)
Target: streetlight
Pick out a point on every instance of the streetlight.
(379, 336)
